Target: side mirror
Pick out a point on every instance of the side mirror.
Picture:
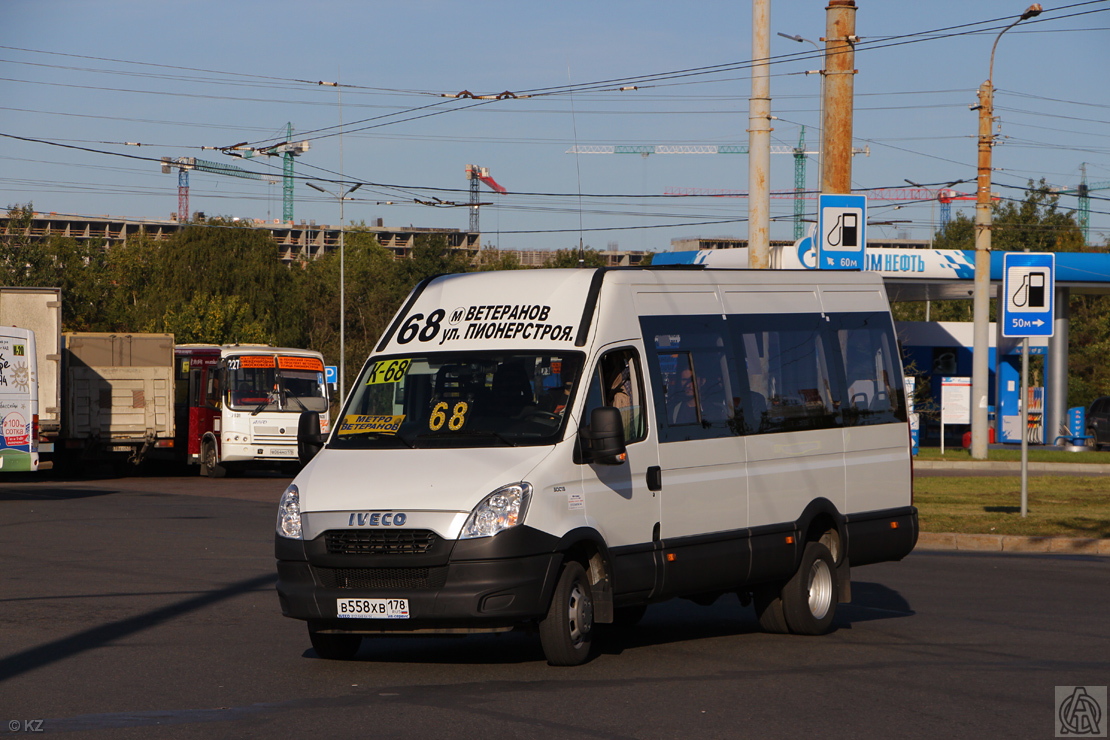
(309, 439)
(605, 436)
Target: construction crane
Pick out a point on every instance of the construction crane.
(1083, 190)
(800, 155)
(287, 150)
(800, 195)
(184, 164)
(476, 175)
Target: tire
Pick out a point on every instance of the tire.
(566, 633)
(210, 462)
(768, 607)
(809, 598)
(1095, 444)
(334, 647)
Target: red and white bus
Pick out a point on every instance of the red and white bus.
(237, 405)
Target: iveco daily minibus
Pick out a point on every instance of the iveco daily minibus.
(561, 448)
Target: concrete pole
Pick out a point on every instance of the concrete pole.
(981, 290)
(759, 140)
(1056, 375)
(836, 135)
(981, 299)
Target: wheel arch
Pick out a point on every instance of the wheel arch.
(587, 547)
(822, 522)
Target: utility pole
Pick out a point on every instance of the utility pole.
(759, 140)
(840, 56)
(981, 289)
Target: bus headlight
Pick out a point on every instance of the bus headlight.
(289, 513)
(498, 511)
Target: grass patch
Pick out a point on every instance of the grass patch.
(958, 454)
(1063, 506)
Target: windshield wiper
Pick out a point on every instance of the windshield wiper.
(271, 397)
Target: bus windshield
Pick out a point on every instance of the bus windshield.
(478, 399)
(259, 383)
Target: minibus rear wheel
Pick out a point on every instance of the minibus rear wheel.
(334, 647)
(566, 633)
(809, 598)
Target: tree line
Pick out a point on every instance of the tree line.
(219, 282)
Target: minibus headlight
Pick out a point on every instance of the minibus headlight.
(289, 513)
(500, 510)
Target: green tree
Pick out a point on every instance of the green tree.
(587, 257)
(494, 260)
(374, 286)
(431, 255)
(212, 319)
(78, 267)
(226, 260)
(1034, 223)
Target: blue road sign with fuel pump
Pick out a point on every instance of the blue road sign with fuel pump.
(1029, 289)
(841, 231)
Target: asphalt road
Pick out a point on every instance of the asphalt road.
(145, 607)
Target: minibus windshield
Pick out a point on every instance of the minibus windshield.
(476, 399)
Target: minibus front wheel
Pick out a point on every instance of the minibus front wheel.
(566, 633)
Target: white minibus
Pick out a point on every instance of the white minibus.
(557, 449)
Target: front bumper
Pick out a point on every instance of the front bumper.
(470, 585)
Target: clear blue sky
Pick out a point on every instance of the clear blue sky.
(178, 76)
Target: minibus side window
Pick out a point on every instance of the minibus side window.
(866, 345)
(698, 394)
(616, 381)
(791, 380)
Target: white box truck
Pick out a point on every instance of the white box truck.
(560, 448)
(40, 311)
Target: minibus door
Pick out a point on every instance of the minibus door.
(620, 498)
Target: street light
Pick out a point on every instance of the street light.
(342, 287)
(821, 94)
(980, 369)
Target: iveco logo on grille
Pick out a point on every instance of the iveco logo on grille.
(378, 519)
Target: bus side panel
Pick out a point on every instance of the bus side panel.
(877, 468)
(787, 471)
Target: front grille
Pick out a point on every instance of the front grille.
(382, 578)
(379, 541)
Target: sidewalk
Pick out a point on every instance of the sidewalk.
(1012, 543)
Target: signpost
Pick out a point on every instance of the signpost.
(1029, 290)
(841, 231)
(955, 403)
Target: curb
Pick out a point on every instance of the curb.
(1015, 467)
(1012, 543)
